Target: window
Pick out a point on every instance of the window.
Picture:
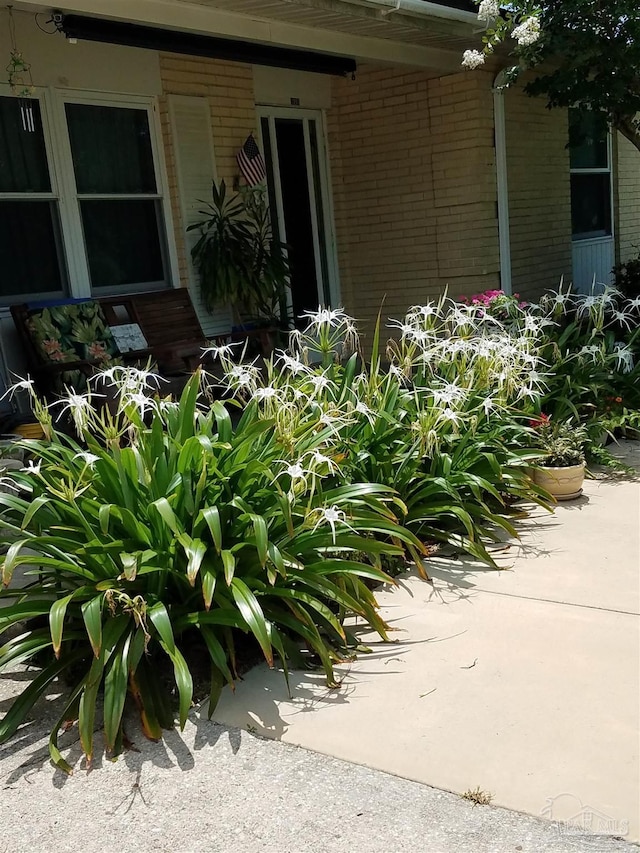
(102, 228)
(590, 162)
(31, 257)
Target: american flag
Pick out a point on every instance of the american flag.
(251, 162)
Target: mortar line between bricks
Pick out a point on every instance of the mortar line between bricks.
(558, 601)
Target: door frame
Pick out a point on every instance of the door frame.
(271, 113)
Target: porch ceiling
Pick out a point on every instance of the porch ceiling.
(349, 17)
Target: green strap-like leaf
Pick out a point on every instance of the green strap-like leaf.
(254, 617)
(56, 621)
(92, 617)
(211, 516)
(162, 623)
(229, 565)
(262, 537)
(115, 691)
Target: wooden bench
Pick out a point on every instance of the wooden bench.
(166, 318)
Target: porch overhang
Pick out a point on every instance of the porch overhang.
(315, 26)
(195, 44)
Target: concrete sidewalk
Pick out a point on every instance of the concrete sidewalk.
(524, 682)
(218, 790)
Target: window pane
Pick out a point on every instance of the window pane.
(590, 205)
(123, 242)
(30, 256)
(111, 148)
(23, 159)
(588, 140)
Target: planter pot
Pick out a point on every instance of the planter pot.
(563, 483)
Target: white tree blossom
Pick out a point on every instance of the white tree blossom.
(528, 32)
(488, 10)
(472, 59)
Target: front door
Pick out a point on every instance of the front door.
(294, 152)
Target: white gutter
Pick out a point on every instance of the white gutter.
(502, 183)
(421, 8)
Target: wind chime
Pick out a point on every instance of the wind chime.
(20, 80)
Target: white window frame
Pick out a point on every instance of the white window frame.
(587, 239)
(58, 148)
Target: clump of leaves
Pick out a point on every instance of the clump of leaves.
(168, 527)
(627, 277)
(561, 443)
(477, 796)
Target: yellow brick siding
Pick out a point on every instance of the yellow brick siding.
(413, 170)
(627, 193)
(228, 87)
(539, 194)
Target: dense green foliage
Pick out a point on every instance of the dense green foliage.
(171, 529)
(587, 54)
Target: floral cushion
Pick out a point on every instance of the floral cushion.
(72, 332)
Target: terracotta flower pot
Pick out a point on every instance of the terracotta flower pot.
(563, 483)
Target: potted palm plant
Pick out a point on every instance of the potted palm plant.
(561, 466)
(240, 262)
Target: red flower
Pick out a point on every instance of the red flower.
(540, 421)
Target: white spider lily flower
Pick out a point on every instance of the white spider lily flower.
(448, 414)
(79, 407)
(622, 317)
(266, 393)
(528, 32)
(293, 364)
(333, 516)
(535, 378)
(332, 421)
(406, 329)
(318, 458)
(488, 405)
(32, 467)
(362, 409)
(88, 458)
(242, 376)
(535, 325)
(472, 59)
(219, 351)
(319, 382)
(325, 317)
(20, 385)
(427, 310)
(591, 351)
(139, 400)
(634, 303)
(128, 378)
(295, 471)
(585, 303)
(449, 394)
(624, 358)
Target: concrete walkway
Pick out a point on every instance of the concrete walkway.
(524, 683)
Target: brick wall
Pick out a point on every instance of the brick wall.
(413, 172)
(539, 194)
(228, 87)
(628, 199)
